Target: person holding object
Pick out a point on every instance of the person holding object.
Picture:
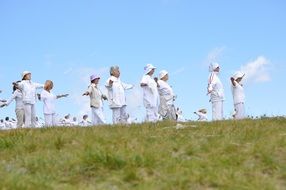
(48, 99)
(216, 92)
(116, 96)
(28, 89)
(238, 95)
(96, 98)
(150, 94)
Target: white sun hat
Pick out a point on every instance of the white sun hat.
(162, 74)
(238, 74)
(94, 76)
(148, 68)
(25, 73)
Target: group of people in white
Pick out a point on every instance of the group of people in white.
(158, 98)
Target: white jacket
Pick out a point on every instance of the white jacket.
(29, 91)
(237, 93)
(18, 97)
(150, 92)
(215, 88)
(166, 92)
(116, 92)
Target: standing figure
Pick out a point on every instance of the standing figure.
(96, 98)
(166, 108)
(150, 94)
(216, 92)
(28, 89)
(49, 99)
(238, 95)
(116, 96)
(19, 108)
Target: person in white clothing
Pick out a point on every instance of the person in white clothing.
(85, 122)
(150, 94)
(48, 98)
(28, 89)
(216, 92)
(238, 95)
(2, 102)
(19, 108)
(202, 114)
(96, 98)
(116, 96)
(166, 107)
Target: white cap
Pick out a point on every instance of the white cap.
(148, 68)
(94, 76)
(238, 74)
(162, 74)
(213, 66)
(25, 73)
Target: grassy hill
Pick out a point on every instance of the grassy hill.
(248, 154)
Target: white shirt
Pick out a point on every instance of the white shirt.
(166, 92)
(116, 92)
(215, 88)
(95, 96)
(202, 116)
(49, 100)
(150, 92)
(29, 91)
(18, 97)
(237, 93)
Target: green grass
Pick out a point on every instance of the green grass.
(248, 154)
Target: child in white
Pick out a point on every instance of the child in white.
(49, 99)
(150, 94)
(19, 108)
(215, 89)
(202, 113)
(166, 108)
(238, 95)
(116, 96)
(96, 98)
(28, 89)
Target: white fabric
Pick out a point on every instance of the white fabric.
(217, 110)
(150, 92)
(215, 87)
(119, 115)
(50, 120)
(95, 96)
(162, 74)
(237, 75)
(239, 111)
(116, 92)
(85, 123)
(213, 66)
(237, 93)
(30, 115)
(148, 68)
(20, 114)
(166, 92)
(97, 116)
(202, 116)
(152, 114)
(49, 100)
(28, 89)
(18, 97)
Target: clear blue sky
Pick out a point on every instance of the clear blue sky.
(68, 40)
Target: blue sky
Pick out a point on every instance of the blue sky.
(68, 40)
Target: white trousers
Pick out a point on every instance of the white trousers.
(239, 111)
(152, 114)
(217, 110)
(20, 114)
(30, 115)
(97, 116)
(119, 115)
(50, 120)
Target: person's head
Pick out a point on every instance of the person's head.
(6, 118)
(15, 85)
(214, 67)
(149, 69)
(238, 76)
(48, 85)
(114, 71)
(26, 75)
(84, 117)
(163, 75)
(67, 116)
(74, 118)
(94, 79)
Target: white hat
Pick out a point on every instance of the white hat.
(25, 73)
(213, 66)
(94, 76)
(162, 74)
(238, 74)
(202, 111)
(148, 68)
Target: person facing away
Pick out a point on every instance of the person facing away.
(49, 100)
(116, 96)
(238, 95)
(166, 107)
(216, 92)
(96, 98)
(19, 106)
(28, 89)
(150, 94)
